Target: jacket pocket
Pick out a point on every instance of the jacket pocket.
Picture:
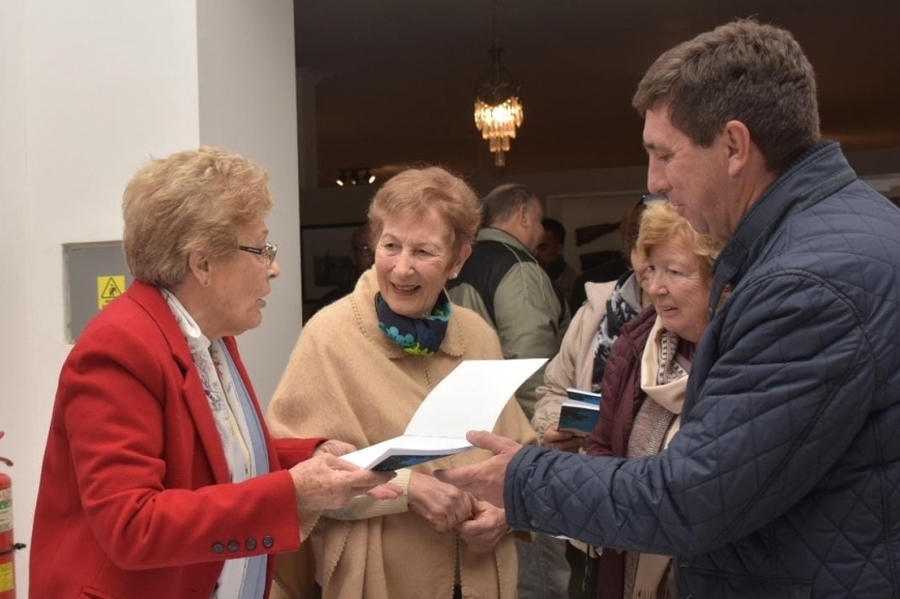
(694, 583)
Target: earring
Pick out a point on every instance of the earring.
(206, 282)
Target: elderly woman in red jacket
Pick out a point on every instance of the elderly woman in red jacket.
(645, 379)
(159, 477)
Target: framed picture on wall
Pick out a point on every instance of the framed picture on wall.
(325, 258)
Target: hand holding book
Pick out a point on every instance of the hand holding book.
(580, 413)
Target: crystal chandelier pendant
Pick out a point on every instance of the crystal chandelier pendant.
(498, 110)
(497, 120)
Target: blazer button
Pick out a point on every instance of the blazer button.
(268, 541)
(233, 546)
(250, 544)
(218, 547)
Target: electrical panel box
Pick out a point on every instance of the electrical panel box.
(95, 274)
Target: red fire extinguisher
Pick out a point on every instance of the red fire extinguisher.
(8, 546)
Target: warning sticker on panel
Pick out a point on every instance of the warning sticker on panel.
(109, 287)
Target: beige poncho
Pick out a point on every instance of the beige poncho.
(347, 381)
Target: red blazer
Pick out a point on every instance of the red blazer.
(135, 500)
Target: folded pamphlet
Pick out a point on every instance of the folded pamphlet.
(471, 397)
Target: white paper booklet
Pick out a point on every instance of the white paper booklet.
(469, 398)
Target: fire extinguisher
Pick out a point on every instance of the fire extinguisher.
(8, 546)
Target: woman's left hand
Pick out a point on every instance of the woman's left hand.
(335, 448)
(443, 506)
(485, 529)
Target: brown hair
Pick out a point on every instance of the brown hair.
(416, 191)
(192, 200)
(746, 71)
(661, 223)
(630, 227)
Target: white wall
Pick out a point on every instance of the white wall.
(88, 92)
(248, 104)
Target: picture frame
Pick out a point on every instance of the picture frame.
(325, 258)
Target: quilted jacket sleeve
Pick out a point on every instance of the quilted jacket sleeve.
(780, 405)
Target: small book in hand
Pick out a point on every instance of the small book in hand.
(471, 397)
(580, 413)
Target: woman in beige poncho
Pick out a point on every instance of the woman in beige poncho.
(359, 371)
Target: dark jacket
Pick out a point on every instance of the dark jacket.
(784, 480)
(622, 398)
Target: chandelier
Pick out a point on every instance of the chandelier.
(498, 110)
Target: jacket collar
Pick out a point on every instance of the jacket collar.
(150, 299)
(815, 175)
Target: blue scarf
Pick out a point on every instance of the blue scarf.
(417, 336)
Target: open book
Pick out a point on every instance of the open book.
(580, 413)
(469, 398)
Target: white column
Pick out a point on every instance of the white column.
(248, 104)
(307, 80)
(88, 92)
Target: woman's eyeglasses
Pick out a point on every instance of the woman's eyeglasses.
(268, 251)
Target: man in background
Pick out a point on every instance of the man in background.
(504, 283)
(361, 256)
(549, 254)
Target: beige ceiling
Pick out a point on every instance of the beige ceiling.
(398, 76)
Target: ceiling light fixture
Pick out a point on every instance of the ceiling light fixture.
(355, 176)
(498, 110)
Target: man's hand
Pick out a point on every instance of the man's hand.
(485, 529)
(485, 479)
(442, 506)
(327, 482)
(562, 440)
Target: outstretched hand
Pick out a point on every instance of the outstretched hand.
(327, 482)
(485, 479)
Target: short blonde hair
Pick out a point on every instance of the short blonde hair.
(661, 223)
(195, 200)
(417, 190)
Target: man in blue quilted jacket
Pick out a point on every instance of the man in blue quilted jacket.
(784, 480)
